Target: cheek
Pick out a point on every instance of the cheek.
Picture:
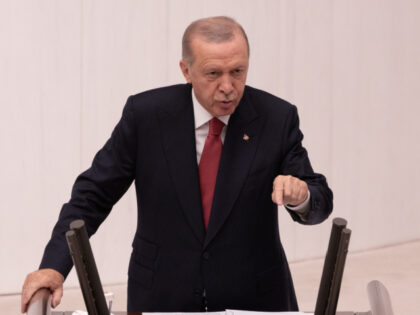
(239, 85)
(204, 93)
(208, 90)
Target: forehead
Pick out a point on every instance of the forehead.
(225, 52)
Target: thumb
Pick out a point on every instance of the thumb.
(57, 294)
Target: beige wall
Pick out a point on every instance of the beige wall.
(67, 67)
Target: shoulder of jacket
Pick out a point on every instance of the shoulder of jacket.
(159, 97)
(166, 92)
(266, 100)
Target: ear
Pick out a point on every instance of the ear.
(185, 70)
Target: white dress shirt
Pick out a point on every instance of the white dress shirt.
(202, 120)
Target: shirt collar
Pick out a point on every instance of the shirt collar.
(202, 116)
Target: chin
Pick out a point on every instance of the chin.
(226, 110)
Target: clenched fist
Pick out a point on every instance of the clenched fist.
(289, 190)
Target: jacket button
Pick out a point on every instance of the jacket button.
(206, 255)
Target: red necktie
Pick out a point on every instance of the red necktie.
(209, 164)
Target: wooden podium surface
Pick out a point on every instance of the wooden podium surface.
(115, 313)
(140, 313)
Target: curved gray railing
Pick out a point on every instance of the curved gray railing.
(40, 303)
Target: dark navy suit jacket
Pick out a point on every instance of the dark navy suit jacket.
(239, 262)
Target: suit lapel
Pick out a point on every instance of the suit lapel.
(177, 125)
(238, 152)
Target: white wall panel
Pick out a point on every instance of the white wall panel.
(375, 135)
(39, 121)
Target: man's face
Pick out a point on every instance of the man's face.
(218, 73)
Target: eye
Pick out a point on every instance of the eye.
(238, 71)
(212, 75)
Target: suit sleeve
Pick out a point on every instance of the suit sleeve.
(95, 191)
(296, 163)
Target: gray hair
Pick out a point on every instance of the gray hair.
(215, 29)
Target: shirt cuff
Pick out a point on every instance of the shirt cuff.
(303, 209)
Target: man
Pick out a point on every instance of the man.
(211, 159)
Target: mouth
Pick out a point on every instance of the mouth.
(226, 103)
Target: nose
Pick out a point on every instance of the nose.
(226, 85)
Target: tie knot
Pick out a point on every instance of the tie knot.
(215, 127)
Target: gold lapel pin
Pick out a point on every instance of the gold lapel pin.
(245, 137)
